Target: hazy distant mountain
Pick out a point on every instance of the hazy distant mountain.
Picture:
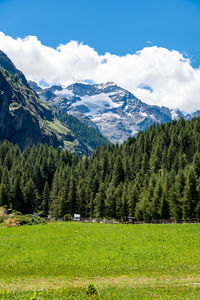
(115, 111)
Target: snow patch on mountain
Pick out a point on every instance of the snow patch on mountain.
(143, 114)
(97, 104)
(64, 93)
(176, 114)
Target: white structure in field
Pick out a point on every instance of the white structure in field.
(77, 217)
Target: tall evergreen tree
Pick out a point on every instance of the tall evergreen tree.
(73, 197)
(118, 172)
(191, 195)
(31, 197)
(45, 199)
(18, 203)
(100, 202)
(4, 198)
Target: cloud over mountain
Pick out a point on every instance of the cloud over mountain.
(154, 74)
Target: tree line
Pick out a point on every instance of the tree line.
(153, 176)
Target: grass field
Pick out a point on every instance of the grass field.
(122, 261)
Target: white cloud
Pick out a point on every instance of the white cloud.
(170, 78)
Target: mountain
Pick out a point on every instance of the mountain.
(26, 120)
(8, 65)
(116, 112)
(196, 114)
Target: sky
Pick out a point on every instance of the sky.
(150, 47)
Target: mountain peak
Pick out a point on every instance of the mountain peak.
(106, 84)
(8, 65)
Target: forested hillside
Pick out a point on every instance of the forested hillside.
(153, 176)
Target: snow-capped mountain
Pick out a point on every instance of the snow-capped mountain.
(115, 111)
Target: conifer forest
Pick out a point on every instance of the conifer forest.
(153, 176)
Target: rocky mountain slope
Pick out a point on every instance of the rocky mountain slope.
(7, 64)
(26, 120)
(115, 111)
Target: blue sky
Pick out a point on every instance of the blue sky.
(115, 26)
(149, 47)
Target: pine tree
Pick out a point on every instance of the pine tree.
(55, 186)
(164, 208)
(4, 198)
(83, 198)
(73, 197)
(133, 198)
(100, 202)
(156, 200)
(118, 172)
(196, 164)
(119, 205)
(45, 199)
(55, 207)
(197, 210)
(18, 203)
(191, 195)
(125, 202)
(63, 201)
(174, 204)
(91, 206)
(31, 197)
(110, 202)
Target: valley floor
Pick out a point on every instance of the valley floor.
(60, 261)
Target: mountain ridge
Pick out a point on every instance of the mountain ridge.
(115, 111)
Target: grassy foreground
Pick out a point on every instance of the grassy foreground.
(123, 261)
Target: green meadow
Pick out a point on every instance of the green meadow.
(60, 261)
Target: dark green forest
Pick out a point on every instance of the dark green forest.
(153, 176)
(86, 134)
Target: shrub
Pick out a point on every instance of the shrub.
(11, 222)
(15, 212)
(3, 211)
(67, 217)
(30, 220)
(91, 289)
(2, 219)
(21, 220)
